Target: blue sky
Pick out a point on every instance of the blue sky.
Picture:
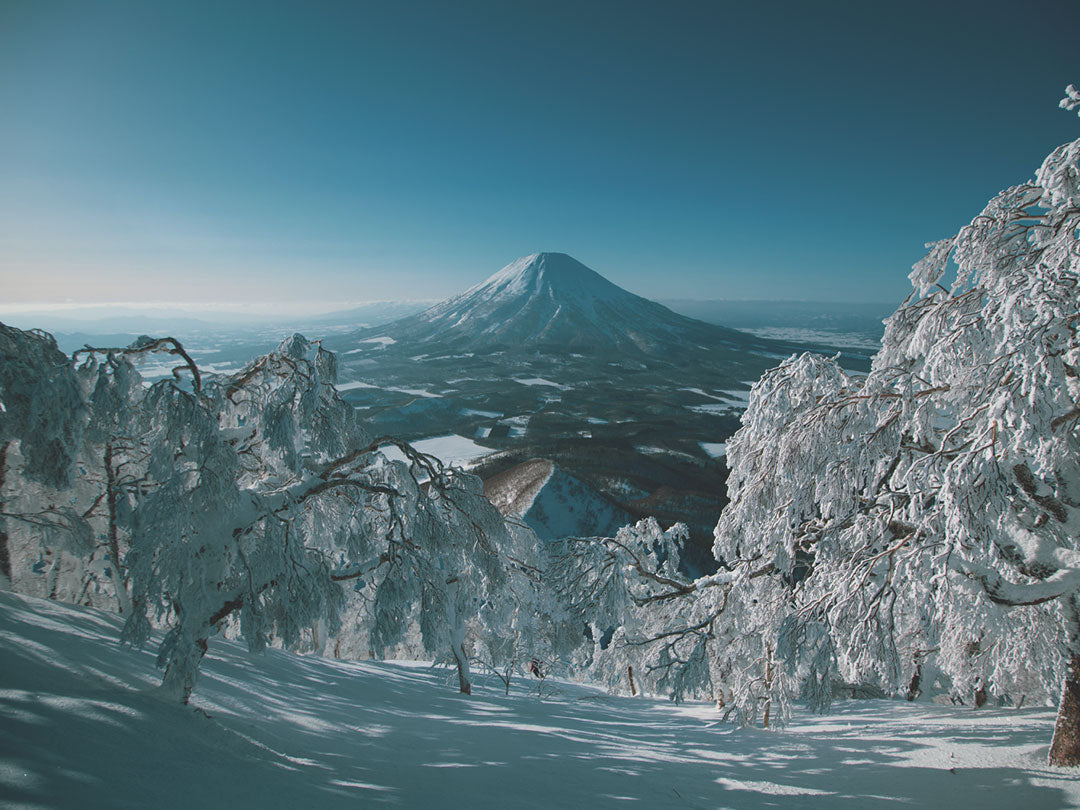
(315, 154)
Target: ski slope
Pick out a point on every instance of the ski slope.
(81, 727)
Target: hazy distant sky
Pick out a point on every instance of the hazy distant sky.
(345, 151)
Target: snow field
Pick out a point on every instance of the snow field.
(542, 381)
(416, 392)
(714, 449)
(80, 726)
(450, 449)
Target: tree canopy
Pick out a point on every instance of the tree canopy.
(928, 512)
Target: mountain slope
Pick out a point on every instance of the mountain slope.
(78, 728)
(552, 301)
(552, 503)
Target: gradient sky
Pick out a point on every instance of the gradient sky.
(322, 153)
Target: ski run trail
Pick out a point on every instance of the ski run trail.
(81, 726)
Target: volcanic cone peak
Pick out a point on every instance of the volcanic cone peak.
(553, 301)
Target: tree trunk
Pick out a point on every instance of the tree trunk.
(916, 679)
(319, 637)
(183, 668)
(1065, 747)
(464, 685)
(630, 676)
(768, 686)
(112, 492)
(457, 637)
(5, 555)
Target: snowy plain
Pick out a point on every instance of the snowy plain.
(714, 449)
(81, 727)
(449, 449)
(355, 384)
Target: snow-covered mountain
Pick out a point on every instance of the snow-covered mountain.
(552, 503)
(553, 301)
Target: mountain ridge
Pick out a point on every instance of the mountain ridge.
(553, 503)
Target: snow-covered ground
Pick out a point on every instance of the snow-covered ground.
(828, 337)
(714, 449)
(730, 399)
(355, 384)
(450, 449)
(153, 370)
(717, 407)
(541, 381)
(80, 727)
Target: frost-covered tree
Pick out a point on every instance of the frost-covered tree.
(70, 532)
(930, 512)
(641, 624)
(41, 406)
(42, 419)
(524, 623)
(239, 503)
(269, 496)
(441, 561)
(112, 460)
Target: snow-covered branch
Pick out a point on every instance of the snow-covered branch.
(935, 503)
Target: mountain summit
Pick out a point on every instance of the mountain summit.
(548, 275)
(553, 301)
